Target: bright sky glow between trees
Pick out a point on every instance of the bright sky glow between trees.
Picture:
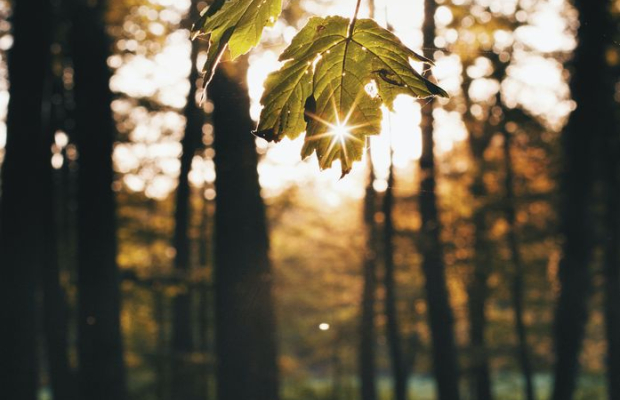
(395, 233)
(149, 162)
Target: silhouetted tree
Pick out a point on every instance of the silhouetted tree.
(589, 81)
(394, 339)
(54, 304)
(482, 128)
(23, 172)
(244, 313)
(611, 175)
(368, 332)
(479, 138)
(440, 314)
(101, 373)
(184, 381)
(480, 134)
(612, 267)
(517, 292)
(205, 294)
(367, 328)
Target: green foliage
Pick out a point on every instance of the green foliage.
(333, 86)
(337, 75)
(235, 26)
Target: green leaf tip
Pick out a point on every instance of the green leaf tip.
(332, 86)
(234, 26)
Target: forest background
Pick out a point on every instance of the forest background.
(152, 248)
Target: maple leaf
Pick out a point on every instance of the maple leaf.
(335, 78)
(235, 26)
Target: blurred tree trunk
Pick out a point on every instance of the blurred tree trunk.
(204, 257)
(160, 315)
(368, 332)
(23, 172)
(244, 310)
(161, 367)
(397, 355)
(54, 304)
(518, 299)
(184, 379)
(611, 149)
(588, 84)
(478, 290)
(101, 374)
(440, 314)
(480, 134)
(612, 269)
(205, 293)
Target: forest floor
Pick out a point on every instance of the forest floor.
(507, 386)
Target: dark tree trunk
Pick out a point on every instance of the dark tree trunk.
(518, 289)
(368, 332)
(612, 270)
(441, 321)
(204, 256)
(611, 143)
(399, 369)
(589, 82)
(184, 379)
(479, 139)
(478, 289)
(101, 373)
(205, 295)
(54, 303)
(55, 317)
(161, 368)
(24, 169)
(244, 310)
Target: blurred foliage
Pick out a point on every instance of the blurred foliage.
(316, 249)
(316, 241)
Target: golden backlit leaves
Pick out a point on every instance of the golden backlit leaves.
(234, 26)
(337, 75)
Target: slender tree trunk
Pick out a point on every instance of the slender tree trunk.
(611, 142)
(244, 310)
(368, 333)
(55, 316)
(479, 138)
(336, 368)
(159, 311)
(23, 170)
(205, 295)
(479, 290)
(203, 298)
(184, 380)
(588, 82)
(612, 273)
(101, 374)
(518, 289)
(399, 369)
(445, 364)
(54, 304)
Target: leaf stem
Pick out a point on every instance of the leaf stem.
(354, 19)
